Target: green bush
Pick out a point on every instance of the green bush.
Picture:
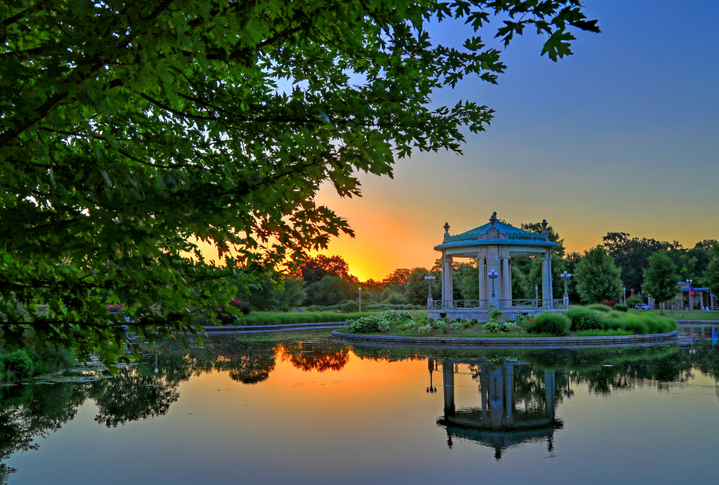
(634, 300)
(394, 298)
(380, 322)
(584, 318)
(600, 308)
(551, 323)
(18, 365)
(313, 308)
(350, 307)
(621, 308)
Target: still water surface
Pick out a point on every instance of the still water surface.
(315, 411)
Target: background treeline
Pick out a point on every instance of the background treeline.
(599, 274)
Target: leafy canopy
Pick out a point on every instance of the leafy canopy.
(131, 129)
(661, 279)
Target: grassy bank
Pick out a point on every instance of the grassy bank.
(682, 314)
(285, 318)
(578, 321)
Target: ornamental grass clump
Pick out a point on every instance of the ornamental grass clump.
(551, 323)
(599, 308)
(585, 318)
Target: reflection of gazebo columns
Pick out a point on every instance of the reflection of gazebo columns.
(549, 390)
(448, 378)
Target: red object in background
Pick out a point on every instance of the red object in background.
(691, 292)
(632, 291)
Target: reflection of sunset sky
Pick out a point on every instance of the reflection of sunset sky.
(372, 421)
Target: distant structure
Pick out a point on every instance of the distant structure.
(493, 246)
(689, 298)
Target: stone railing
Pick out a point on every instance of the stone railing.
(528, 304)
(457, 304)
(531, 303)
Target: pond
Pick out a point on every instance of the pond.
(309, 410)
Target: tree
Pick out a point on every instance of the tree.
(631, 254)
(330, 291)
(598, 279)
(551, 234)
(417, 290)
(132, 129)
(711, 275)
(661, 280)
(398, 279)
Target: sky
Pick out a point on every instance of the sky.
(621, 136)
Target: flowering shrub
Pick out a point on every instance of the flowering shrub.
(411, 325)
(115, 308)
(379, 322)
(424, 329)
(243, 306)
(493, 326)
(456, 324)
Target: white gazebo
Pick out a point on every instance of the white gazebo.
(493, 246)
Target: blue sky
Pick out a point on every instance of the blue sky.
(621, 136)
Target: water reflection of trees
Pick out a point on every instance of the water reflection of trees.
(313, 356)
(132, 395)
(29, 412)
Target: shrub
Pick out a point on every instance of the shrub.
(394, 298)
(634, 300)
(584, 318)
(379, 322)
(243, 306)
(600, 308)
(18, 365)
(313, 308)
(350, 307)
(610, 303)
(621, 308)
(551, 323)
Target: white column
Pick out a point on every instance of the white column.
(549, 274)
(482, 278)
(545, 283)
(506, 284)
(446, 280)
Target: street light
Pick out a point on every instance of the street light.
(360, 299)
(493, 275)
(429, 284)
(536, 295)
(565, 276)
(625, 295)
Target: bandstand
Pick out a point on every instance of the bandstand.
(493, 246)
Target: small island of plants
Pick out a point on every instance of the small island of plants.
(589, 321)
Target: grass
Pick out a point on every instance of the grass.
(682, 314)
(286, 318)
(610, 324)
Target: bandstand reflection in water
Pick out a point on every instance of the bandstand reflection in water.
(517, 403)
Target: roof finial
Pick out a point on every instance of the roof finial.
(493, 219)
(446, 228)
(544, 229)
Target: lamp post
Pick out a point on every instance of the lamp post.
(625, 295)
(536, 295)
(360, 299)
(691, 294)
(493, 276)
(566, 276)
(429, 285)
